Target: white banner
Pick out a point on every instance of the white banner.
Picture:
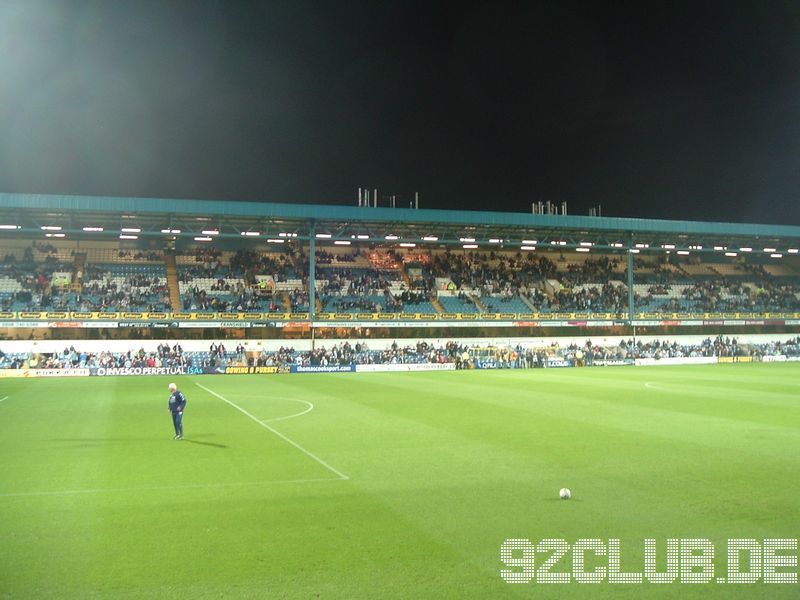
(60, 372)
(778, 358)
(683, 360)
(405, 367)
(44, 372)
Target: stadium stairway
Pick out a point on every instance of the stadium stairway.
(683, 272)
(528, 303)
(438, 306)
(404, 276)
(172, 280)
(78, 269)
(549, 288)
(298, 263)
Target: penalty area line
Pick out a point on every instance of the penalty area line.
(275, 431)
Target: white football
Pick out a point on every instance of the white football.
(565, 494)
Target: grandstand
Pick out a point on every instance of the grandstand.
(119, 283)
(170, 261)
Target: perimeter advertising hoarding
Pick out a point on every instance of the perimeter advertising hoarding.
(735, 359)
(43, 373)
(321, 369)
(64, 319)
(612, 362)
(239, 370)
(684, 360)
(405, 367)
(776, 358)
(558, 362)
(109, 371)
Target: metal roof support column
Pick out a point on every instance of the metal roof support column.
(312, 276)
(630, 285)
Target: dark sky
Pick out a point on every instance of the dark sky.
(665, 110)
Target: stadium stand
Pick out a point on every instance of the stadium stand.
(38, 276)
(211, 280)
(126, 286)
(378, 263)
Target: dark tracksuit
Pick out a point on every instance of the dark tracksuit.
(177, 402)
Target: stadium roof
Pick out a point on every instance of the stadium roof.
(91, 217)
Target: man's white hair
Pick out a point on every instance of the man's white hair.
(173, 387)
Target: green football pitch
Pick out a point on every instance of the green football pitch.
(388, 485)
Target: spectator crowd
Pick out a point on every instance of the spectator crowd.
(462, 355)
(495, 281)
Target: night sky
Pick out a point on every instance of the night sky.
(665, 110)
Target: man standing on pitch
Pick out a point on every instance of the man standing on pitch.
(177, 402)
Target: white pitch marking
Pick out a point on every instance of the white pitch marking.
(4, 398)
(653, 386)
(275, 431)
(155, 488)
(308, 410)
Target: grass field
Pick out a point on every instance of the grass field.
(388, 485)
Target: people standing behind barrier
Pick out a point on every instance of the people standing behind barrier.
(422, 352)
